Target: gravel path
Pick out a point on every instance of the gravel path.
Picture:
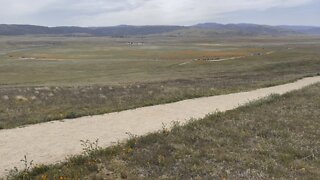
(54, 141)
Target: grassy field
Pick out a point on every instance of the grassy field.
(52, 78)
(273, 138)
(48, 61)
(93, 61)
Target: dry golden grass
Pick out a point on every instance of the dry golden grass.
(275, 138)
(80, 85)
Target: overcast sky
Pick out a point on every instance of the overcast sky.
(160, 12)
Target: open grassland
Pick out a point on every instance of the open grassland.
(272, 138)
(52, 78)
(107, 62)
(28, 61)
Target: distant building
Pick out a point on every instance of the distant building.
(135, 43)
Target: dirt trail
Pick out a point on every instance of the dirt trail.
(54, 141)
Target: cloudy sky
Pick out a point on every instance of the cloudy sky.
(151, 12)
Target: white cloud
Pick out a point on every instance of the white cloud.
(112, 12)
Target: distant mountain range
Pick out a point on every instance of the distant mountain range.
(122, 30)
(126, 30)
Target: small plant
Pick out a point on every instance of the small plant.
(131, 136)
(132, 141)
(165, 129)
(15, 173)
(90, 147)
(71, 115)
(27, 165)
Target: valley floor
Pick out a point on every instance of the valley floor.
(52, 78)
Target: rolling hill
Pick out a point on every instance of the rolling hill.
(122, 30)
(126, 30)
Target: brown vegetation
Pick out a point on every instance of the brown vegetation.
(272, 138)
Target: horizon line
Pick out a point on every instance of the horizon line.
(119, 25)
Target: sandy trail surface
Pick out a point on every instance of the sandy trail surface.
(54, 141)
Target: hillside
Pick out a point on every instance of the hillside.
(205, 29)
(245, 29)
(304, 29)
(92, 31)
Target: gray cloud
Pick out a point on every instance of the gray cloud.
(111, 12)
